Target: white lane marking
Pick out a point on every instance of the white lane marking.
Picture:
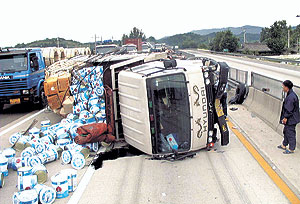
(82, 186)
(19, 123)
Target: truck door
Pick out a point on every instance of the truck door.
(41, 72)
(34, 65)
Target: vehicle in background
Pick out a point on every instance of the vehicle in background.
(130, 47)
(146, 47)
(104, 49)
(135, 41)
(160, 47)
(22, 76)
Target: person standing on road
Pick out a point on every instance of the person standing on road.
(289, 117)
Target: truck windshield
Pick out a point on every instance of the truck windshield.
(13, 63)
(171, 113)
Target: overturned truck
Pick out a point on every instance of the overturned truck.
(165, 107)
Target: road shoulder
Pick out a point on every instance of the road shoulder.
(266, 140)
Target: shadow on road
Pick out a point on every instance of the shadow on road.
(19, 108)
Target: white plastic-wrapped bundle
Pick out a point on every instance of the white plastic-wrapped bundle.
(9, 153)
(72, 178)
(28, 197)
(34, 132)
(73, 129)
(60, 184)
(28, 152)
(40, 147)
(63, 142)
(19, 162)
(34, 161)
(45, 193)
(26, 180)
(3, 165)
(66, 156)
(34, 142)
(49, 155)
(13, 138)
(78, 161)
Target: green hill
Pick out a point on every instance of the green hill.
(53, 43)
(235, 30)
(187, 40)
(192, 40)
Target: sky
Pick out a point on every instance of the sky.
(30, 20)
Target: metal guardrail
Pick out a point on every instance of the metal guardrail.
(238, 75)
(286, 61)
(269, 85)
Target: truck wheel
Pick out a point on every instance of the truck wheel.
(42, 98)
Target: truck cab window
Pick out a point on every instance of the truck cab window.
(34, 63)
(172, 114)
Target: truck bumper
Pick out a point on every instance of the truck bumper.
(23, 99)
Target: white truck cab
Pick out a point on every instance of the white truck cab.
(169, 107)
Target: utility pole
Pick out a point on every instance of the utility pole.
(58, 42)
(95, 50)
(245, 37)
(288, 38)
(298, 39)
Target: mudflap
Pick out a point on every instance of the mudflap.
(222, 123)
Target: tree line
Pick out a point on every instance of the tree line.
(276, 37)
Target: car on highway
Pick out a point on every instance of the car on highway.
(103, 49)
(130, 47)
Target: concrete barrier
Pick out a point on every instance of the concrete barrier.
(267, 108)
(249, 98)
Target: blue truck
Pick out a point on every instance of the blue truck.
(22, 75)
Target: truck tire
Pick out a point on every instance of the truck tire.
(42, 98)
(240, 94)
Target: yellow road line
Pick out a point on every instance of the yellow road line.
(291, 196)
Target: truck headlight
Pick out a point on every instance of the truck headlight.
(207, 81)
(25, 91)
